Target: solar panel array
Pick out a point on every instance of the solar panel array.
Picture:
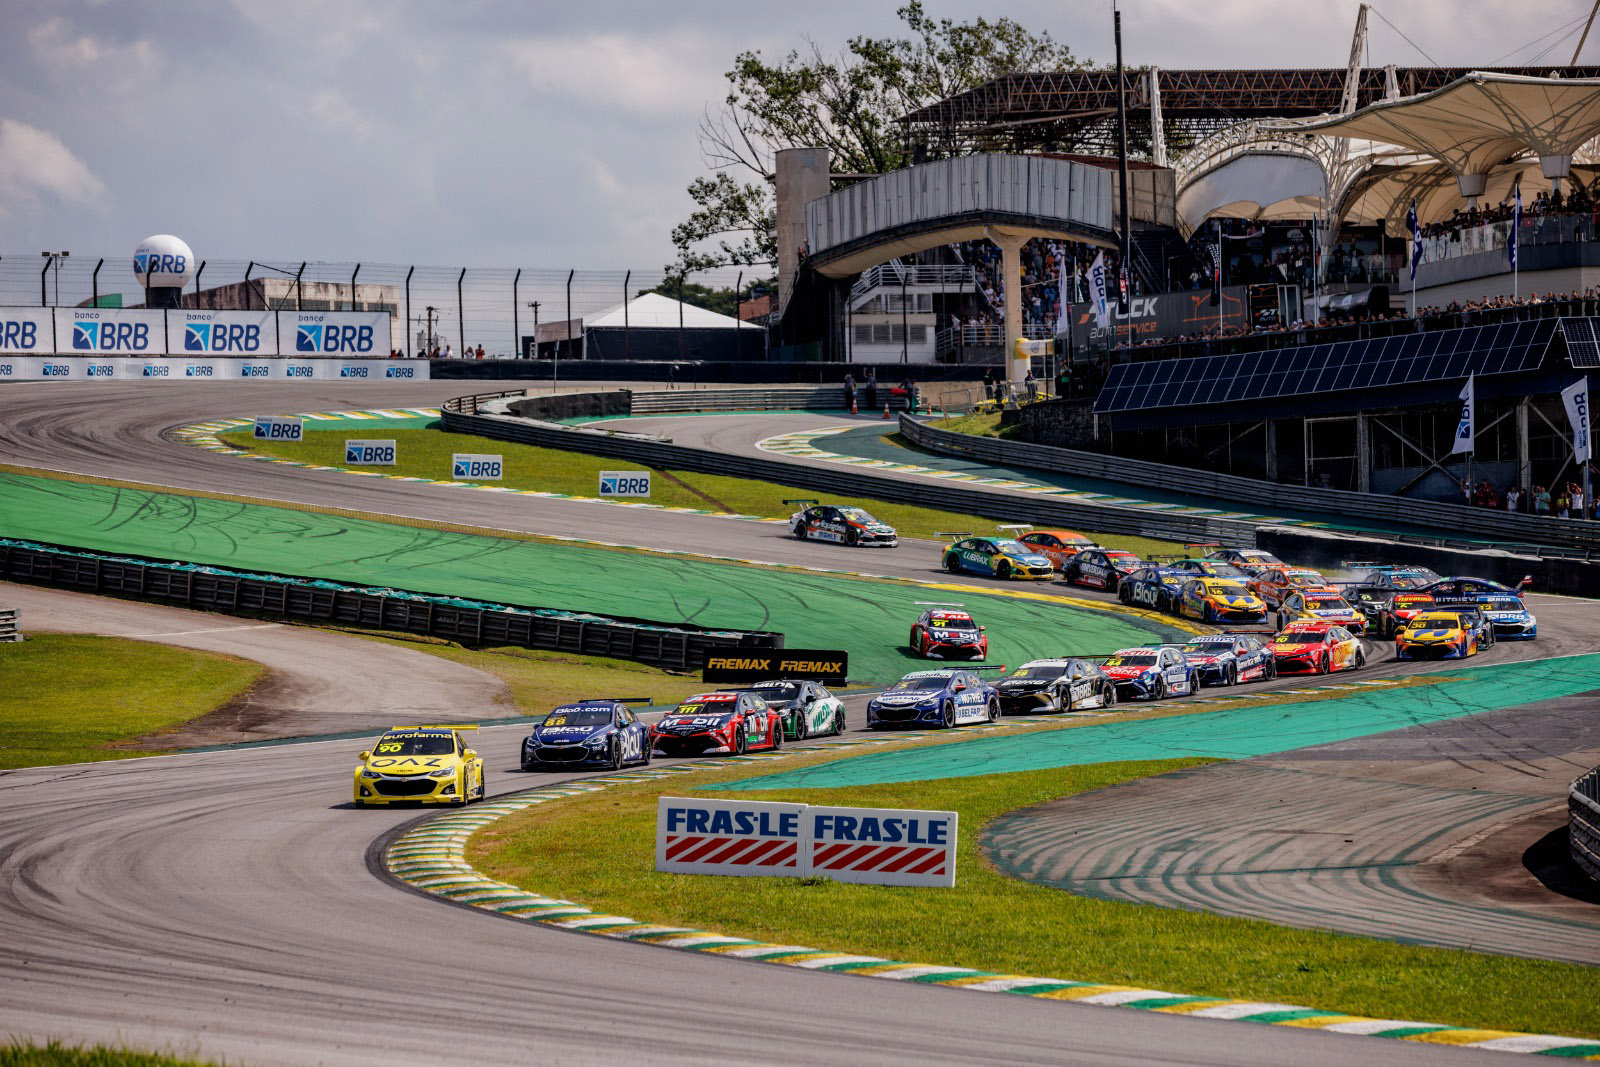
(1583, 346)
(1441, 355)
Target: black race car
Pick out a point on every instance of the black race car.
(590, 733)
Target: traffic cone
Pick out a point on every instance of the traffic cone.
(886, 410)
(853, 410)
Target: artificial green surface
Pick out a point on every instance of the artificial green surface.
(871, 620)
(1235, 733)
(994, 923)
(64, 698)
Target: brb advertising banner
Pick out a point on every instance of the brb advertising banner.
(26, 330)
(871, 846)
(351, 334)
(217, 333)
(110, 332)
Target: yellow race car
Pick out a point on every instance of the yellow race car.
(1220, 600)
(420, 765)
(1435, 635)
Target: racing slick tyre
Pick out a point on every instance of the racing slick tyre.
(1360, 660)
(1160, 690)
(614, 756)
(1210, 616)
(1325, 665)
(777, 736)
(802, 728)
(1123, 595)
(1110, 700)
(741, 744)
(838, 722)
(800, 532)
(852, 537)
(952, 564)
(948, 719)
(994, 711)
(1233, 675)
(1003, 571)
(649, 751)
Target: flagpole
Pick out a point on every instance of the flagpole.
(1220, 255)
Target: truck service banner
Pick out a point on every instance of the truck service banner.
(870, 846)
(828, 666)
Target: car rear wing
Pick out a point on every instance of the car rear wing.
(1202, 544)
(803, 502)
(629, 700)
(440, 726)
(936, 604)
(1157, 559)
(954, 535)
(984, 667)
(1020, 527)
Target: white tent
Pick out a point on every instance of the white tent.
(652, 311)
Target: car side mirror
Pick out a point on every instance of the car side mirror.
(958, 687)
(469, 754)
(982, 628)
(364, 756)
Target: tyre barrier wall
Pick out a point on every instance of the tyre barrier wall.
(678, 647)
(463, 415)
(669, 401)
(1497, 526)
(700, 372)
(1583, 823)
(1329, 549)
(10, 629)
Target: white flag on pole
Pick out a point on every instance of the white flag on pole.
(1097, 291)
(1576, 399)
(1466, 428)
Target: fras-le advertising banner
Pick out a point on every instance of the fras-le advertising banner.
(871, 846)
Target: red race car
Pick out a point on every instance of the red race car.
(1317, 647)
(946, 632)
(731, 723)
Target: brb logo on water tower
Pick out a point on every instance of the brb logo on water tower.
(163, 262)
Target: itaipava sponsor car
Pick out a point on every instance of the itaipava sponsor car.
(589, 733)
(1510, 617)
(1101, 568)
(1228, 659)
(1320, 605)
(1058, 546)
(844, 525)
(997, 557)
(1151, 673)
(953, 696)
(807, 708)
(1214, 600)
(1156, 588)
(1056, 685)
(1436, 634)
(1317, 648)
(728, 723)
(419, 765)
(948, 633)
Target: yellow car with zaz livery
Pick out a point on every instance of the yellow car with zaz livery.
(1220, 600)
(420, 765)
(1435, 635)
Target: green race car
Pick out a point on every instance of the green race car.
(805, 708)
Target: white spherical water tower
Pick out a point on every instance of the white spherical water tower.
(163, 264)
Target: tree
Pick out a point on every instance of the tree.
(723, 301)
(850, 105)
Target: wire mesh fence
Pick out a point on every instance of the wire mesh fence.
(432, 306)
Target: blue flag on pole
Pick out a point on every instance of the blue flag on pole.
(1516, 224)
(1416, 239)
(1466, 428)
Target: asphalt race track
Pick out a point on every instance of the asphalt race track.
(223, 903)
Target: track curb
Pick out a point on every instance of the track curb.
(431, 858)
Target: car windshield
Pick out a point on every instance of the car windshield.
(1143, 659)
(780, 692)
(1305, 578)
(1437, 622)
(952, 624)
(1326, 603)
(578, 717)
(906, 685)
(1206, 648)
(1502, 603)
(435, 744)
(1302, 637)
(1042, 672)
(1409, 579)
(1014, 548)
(1227, 589)
(856, 515)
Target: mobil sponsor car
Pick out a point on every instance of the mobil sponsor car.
(1228, 659)
(725, 722)
(842, 525)
(1152, 673)
(602, 733)
(952, 696)
(1101, 568)
(945, 631)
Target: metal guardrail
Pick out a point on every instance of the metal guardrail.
(460, 415)
(10, 628)
(1583, 823)
(799, 398)
(659, 645)
(1496, 526)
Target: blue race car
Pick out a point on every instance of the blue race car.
(998, 557)
(1510, 617)
(944, 698)
(1470, 591)
(1228, 659)
(1152, 673)
(1154, 587)
(603, 733)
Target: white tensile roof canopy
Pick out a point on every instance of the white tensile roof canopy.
(652, 311)
(1385, 192)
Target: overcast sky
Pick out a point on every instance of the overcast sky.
(505, 134)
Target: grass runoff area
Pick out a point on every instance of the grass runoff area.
(871, 617)
(55, 1054)
(426, 452)
(1012, 927)
(68, 698)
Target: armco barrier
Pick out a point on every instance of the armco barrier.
(1583, 823)
(679, 647)
(1451, 519)
(463, 415)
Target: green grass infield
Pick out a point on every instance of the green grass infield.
(993, 923)
(68, 698)
(425, 453)
(55, 1054)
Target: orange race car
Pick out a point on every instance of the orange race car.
(1276, 583)
(1059, 545)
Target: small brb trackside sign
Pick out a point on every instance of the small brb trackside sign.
(369, 453)
(474, 467)
(624, 483)
(872, 846)
(279, 428)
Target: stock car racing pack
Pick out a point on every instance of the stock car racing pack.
(948, 697)
(1056, 685)
(1227, 659)
(730, 722)
(844, 525)
(946, 632)
(1151, 673)
(806, 707)
(604, 733)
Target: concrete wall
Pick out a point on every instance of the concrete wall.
(802, 176)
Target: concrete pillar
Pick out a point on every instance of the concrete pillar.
(1363, 455)
(1272, 451)
(1524, 464)
(801, 176)
(1011, 288)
